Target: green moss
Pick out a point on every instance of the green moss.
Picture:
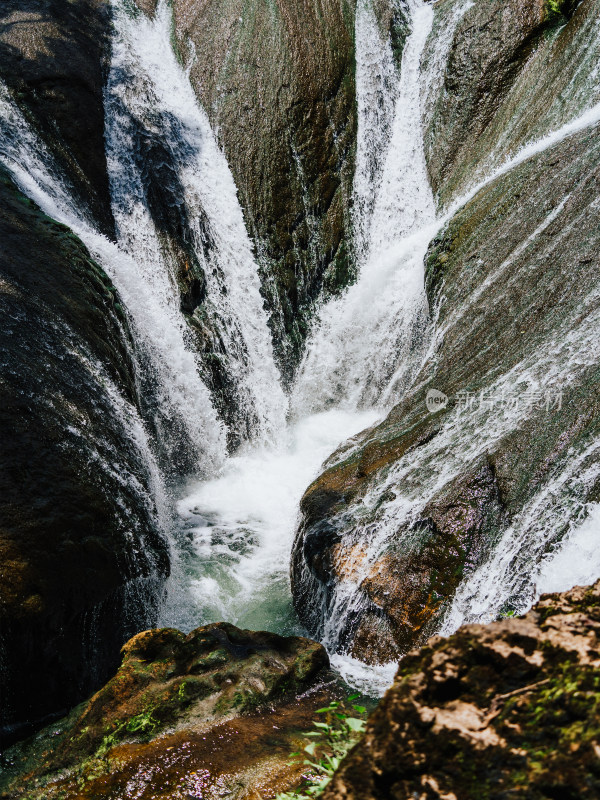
(559, 11)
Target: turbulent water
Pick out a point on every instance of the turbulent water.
(234, 521)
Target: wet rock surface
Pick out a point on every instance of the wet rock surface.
(512, 282)
(504, 710)
(82, 561)
(515, 71)
(206, 714)
(53, 57)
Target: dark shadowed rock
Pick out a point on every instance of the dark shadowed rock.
(165, 720)
(82, 561)
(53, 58)
(509, 709)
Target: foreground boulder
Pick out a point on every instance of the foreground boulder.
(208, 713)
(509, 709)
(82, 557)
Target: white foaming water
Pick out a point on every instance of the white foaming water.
(183, 398)
(149, 91)
(371, 680)
(576, 561)
(239, 529)
(376, 91)
(366, 343)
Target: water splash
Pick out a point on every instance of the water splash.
(238, 529)
(576, 560)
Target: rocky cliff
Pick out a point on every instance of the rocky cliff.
(410, 509)
(82, 559)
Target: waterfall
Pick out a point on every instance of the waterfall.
(152, 114)
(213, 410)
(159, 336)
(536, 554)
(35, 173)
(366, 344)
(376, 92)
(517, 569)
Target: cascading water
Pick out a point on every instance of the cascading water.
(236, 526)
(151, 106)
(376, 92)
(366, 343)
(35, 173)
(184, 399)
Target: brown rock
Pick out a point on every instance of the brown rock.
(215, 710)
(509, 709)
(515, 71)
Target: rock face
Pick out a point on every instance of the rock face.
(164, 722)
(82, 559)
(53, 57)
(277, 81)
(407, 511)
(515, 71)
(504, 710)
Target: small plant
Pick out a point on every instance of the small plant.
(558, 9)
(142, 723)
(336, 733)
